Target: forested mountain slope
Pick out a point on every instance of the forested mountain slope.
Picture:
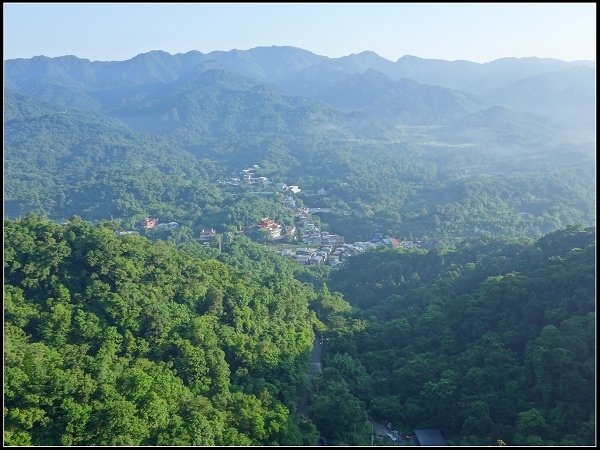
(211, 103)
(119, 341)
(152, 136)
(529, 84)
(399, 101)
(64, 162)
(493, 339)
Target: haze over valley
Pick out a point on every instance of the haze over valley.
(275, 247)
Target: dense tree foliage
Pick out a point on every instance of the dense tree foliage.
(119, 341)
(122, 339)
(448, 193)
(490, 340)
(487, 173)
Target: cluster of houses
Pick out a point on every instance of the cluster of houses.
(333, 251)
(293, 189)
(329, 248)
(322, 247)
(248, 177)
(149, 224)
(312, 235)
(324, 254)
(275, 229)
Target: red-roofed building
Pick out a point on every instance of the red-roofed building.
(270, 226)
(394, 242)
(149, 223)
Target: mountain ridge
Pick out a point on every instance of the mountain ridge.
(82, 83)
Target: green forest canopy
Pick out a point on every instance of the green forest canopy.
(493, 339)
(121, 341)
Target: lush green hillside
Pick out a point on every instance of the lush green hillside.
(112, 339)
(211, 104)
(199, 118)
(399, 101)
(119, 341)
(494, 339)
(66, 162)
(446, 191)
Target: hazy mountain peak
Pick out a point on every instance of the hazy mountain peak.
(409, 58)
(152, 54)
(366, 55)
(282, 48)
(71, 58)
(370, 53)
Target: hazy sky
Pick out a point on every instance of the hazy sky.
(481, 32)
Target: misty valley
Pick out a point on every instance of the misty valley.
(274, 247)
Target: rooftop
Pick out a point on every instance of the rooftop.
(430, 438)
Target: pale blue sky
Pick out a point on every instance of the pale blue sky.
(481, 32)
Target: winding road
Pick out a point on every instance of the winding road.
(314, 368)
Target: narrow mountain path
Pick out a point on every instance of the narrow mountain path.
(314, 367)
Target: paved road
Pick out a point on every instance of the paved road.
(313, 368)
(316, 364)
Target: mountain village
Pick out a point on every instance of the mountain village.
(306, 242)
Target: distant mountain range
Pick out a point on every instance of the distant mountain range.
(213, 102)
(404, 100)
(410, 90)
